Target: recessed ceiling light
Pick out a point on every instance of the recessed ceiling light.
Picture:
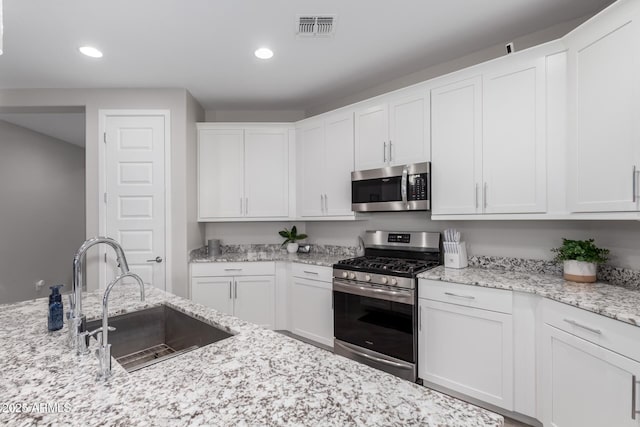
(263, 53)
(90, 51)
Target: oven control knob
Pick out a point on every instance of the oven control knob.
(352, 275)
(384, 280)
(394, 282)
(344, 274)
(367, 278)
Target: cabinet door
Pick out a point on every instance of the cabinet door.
(372, 137)
(514, 169)
(220, 173)
(456, 147)
(604, 111)
(467, 350)
(266, 169)
(214, 292)
(311, 310)
(310, 169)
(338, 163)
(254, 299)
(585, 384)
(409, 140)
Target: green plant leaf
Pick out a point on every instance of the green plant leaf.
(580, 250)
(284, 233)
(301, 237)
(294, 232)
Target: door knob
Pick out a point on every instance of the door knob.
(157, 259)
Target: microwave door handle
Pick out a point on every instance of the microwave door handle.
(403, 186)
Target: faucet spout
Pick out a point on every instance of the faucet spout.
(104, 352)
(76, 317)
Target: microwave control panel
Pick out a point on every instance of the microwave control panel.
(417, 188)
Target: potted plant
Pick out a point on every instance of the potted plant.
(291, 237)
(580, 258)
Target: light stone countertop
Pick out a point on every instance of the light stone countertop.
(616, 302)
(256, 377)
(321, 259)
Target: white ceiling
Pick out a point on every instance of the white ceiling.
(68, 127)
(207, 46)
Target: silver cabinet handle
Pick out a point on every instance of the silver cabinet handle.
(390, 152)
(384, 152)
(475, 195)
(634, 172)
(310, 272)
(156, 259)
(634, 383)
(232, 269)
(321, 203)
(451, 294)
(235, 289)
(420, 318)
(230, 295)
(241, 210)
(484, 196)
(326, 204)
(579, 325)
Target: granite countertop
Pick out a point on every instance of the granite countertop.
(616, 302)
(321, 259)
(256, 377)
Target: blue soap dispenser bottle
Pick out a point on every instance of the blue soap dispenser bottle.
(55, 318)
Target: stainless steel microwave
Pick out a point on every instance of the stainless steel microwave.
(393, 188)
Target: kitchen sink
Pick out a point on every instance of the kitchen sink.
(146, 337)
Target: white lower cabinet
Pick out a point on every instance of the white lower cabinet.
(311, 303)
(590, 369)
(223, 287)
(468, 350)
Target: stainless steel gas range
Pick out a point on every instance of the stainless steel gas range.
(375, 300)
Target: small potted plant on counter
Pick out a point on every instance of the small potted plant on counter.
(291, 237)
(580, 258)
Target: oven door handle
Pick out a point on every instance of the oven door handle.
(372, 358)
(371, 292)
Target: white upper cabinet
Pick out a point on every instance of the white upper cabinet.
(393, 132)
(456, 141)
(243, 172)
(266, 172)
(488, 132)
(220, 160)
(325, 163)
(513, 143)
(604, 111)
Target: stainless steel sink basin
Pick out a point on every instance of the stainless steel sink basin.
(146, 337)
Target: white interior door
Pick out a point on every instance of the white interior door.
(135, 194)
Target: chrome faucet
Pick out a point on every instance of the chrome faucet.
(104, 351)
(78, 338)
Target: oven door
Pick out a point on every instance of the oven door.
(375, 318)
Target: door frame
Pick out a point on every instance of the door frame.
(103, 114)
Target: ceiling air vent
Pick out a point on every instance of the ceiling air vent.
(314, 26)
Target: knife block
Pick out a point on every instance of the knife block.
(458, 259)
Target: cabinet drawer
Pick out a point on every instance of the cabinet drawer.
(467, 295)
(233, 269)
(313, 272)
(603, 331)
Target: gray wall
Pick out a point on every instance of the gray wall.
(182, 159)
(42, 211)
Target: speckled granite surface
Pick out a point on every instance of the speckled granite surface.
(324, 255)
(616, 302)
(257, 377)
(606, 273)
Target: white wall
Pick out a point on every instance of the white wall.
(42, 220)
(254, 115)
(520, 239)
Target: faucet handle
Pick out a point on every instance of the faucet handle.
(99, 331)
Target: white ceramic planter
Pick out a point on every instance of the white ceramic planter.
(580, 271)
(292, 248)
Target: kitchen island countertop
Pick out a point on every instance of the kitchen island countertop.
(256, 377)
